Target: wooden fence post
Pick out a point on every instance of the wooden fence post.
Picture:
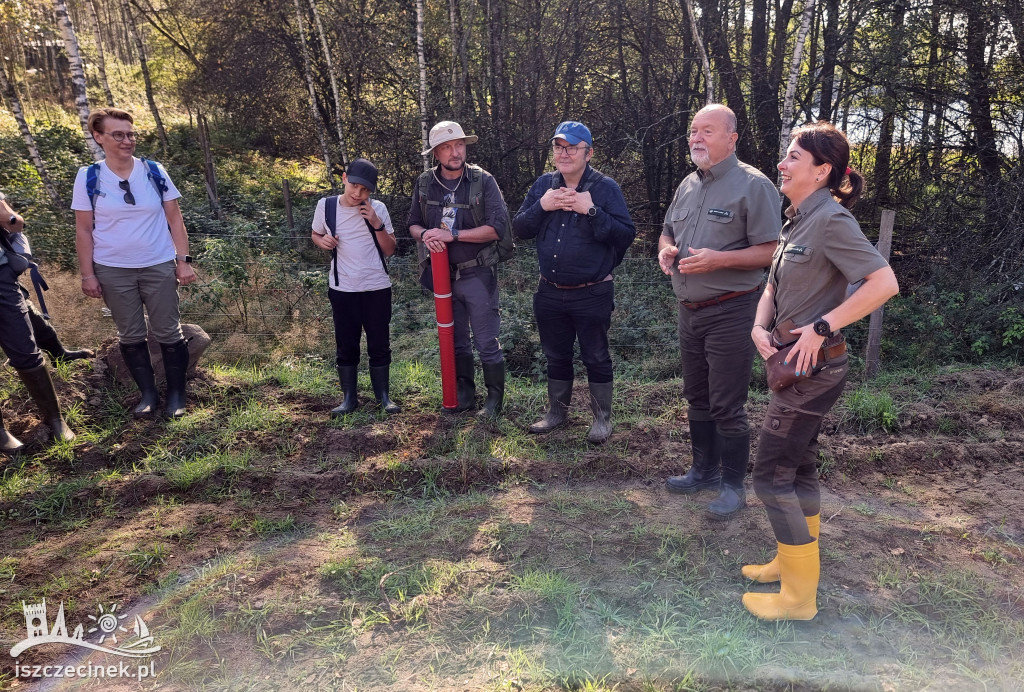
(875, 323)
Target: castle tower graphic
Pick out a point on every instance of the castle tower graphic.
(35, 619)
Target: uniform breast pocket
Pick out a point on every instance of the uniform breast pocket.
(679, 214)
(796, 269)
(720, 215)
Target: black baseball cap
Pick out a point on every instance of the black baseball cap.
(364, 173)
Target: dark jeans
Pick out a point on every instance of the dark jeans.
(15, 328)
(475, 305)
(567, 314)
(355, 312)
(718, 355)
(786, 471)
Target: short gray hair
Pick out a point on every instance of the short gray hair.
(729, 116)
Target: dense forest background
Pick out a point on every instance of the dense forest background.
(928, 91)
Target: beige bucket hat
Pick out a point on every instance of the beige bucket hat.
(446, 131)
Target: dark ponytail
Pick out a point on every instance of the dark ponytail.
(827, 144)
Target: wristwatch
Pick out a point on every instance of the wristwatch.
(455, 234)
(184, 258)
(822, 328)
(13, 220)
(592, 211)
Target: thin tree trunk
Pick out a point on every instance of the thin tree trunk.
(101, 61)
(422, 60)
(698, 41)
(140, 48)
(334, 82)
(794, 74)
(77, 74)
(14, 103)
(308, 74)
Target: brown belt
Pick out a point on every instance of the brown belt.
(715, 301)
(589, 283)
(831, 348)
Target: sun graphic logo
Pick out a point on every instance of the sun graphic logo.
(108, 623)
(138, 641)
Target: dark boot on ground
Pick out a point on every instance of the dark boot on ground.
(705, 472)
(559, 396)
(494, 381)
(380, 379)
(348, 375)
(40, 388)
(47, 340)
(140, 365)
(464, 384)
(9, 444)
(175, 367)
(601, 406)
(734, 451)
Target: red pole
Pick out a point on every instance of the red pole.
(445, 325)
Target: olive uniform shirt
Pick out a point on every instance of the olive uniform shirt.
(821, 250)
(730, 207)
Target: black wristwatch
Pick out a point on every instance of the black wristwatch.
(822, 328)
(187, 259)
(592, 211)
(12, 221)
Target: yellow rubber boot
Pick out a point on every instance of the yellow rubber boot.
(768, 573)
(800, 568)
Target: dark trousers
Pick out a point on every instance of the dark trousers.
(475, 305)
(717, 357)
(567, 314)
(786, 471)
(355, 312)
(16, 337)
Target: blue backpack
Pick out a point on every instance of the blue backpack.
(92, 179)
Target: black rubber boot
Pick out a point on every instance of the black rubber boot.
(348, 375)
(559, 397)
(47, 340)
(9, 444)
(494, 380)
(380, 379)
(175, 367)
(732, 497)
(705, 473)
(601, 405)
(40, 388)
(464, 383)
(140, 365)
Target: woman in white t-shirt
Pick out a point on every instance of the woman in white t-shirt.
(360, 291)
(133, 253)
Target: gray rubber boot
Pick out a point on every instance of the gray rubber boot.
(9, 444)
(380, 379)
(734, 453)
(140, 365)
(464, 383)
(705, 473)
(175, 368)
(40, 388)
(47, 339)
(601, 406)
(348, 376)
(494, 381)
(559, 396)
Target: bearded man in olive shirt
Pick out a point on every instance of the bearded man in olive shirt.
(719, 234)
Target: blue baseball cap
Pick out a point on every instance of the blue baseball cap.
(573, 132)
(362, 172)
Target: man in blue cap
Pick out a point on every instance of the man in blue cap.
(583, 229)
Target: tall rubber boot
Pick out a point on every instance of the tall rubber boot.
(464, 384)
(601, 407)
(705, 472)
(9, 444)
(140, 365)
(175, 367)
(734, 452)
(494, 381)
(559, 397)
(769, 572)
(380, 379)
(47, 340)
(348, 376)
(800, 569)
(40, 388)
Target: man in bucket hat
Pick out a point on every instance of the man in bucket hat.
(460, 206)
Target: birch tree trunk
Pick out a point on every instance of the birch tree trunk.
(140, 48)
(101, 60)
(334, 82)
(794, 74)
(14, 103)
(709, 77)
(77, 74)
(421, 59)
(308, 74)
